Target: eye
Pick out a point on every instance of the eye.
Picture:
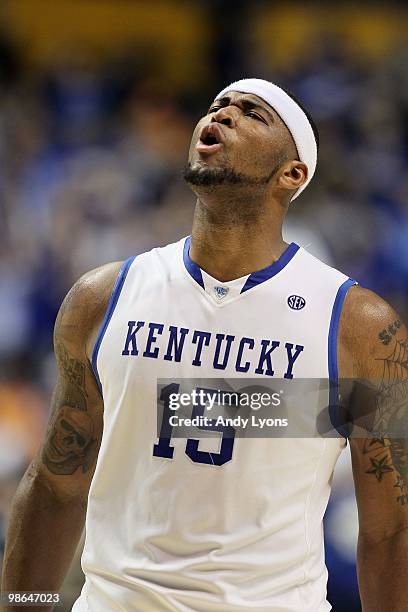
(214, 109)
(255, 116)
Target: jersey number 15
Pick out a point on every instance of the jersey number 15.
(164, 449)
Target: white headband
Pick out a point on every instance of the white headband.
(290, 113)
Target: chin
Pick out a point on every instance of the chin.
(202, 175)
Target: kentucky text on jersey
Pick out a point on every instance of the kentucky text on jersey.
(248, 354)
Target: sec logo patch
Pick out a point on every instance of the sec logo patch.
(296, 302)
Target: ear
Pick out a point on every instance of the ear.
(293, 175)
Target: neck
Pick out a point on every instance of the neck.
(231, 240)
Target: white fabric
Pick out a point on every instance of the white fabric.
(290, 113)
(171, 534)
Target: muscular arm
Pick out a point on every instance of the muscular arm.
(373, 347)
(49, 508)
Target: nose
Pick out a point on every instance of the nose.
(226, 115)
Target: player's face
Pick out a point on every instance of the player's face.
(240, 133)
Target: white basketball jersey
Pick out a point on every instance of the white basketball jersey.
(177, 525)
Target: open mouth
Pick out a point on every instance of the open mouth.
(210, 141)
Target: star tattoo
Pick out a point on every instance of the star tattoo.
(379, 468)
(400, 484)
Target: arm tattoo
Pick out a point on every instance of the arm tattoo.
(388, 453)
(74, 370)
(387, 334)
(70, 441)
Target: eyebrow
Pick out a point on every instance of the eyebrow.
(246, 104)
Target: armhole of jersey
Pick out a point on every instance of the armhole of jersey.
(113, 300)
(332, 357)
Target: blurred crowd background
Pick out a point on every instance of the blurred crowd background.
(98, 101)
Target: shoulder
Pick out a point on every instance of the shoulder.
(84, 306)
(369, 330)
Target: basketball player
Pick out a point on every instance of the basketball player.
(171, 525)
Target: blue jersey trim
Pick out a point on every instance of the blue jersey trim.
(108, 315)
(192, 268)
(256, 278)
(332, 356)
(253, 279)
